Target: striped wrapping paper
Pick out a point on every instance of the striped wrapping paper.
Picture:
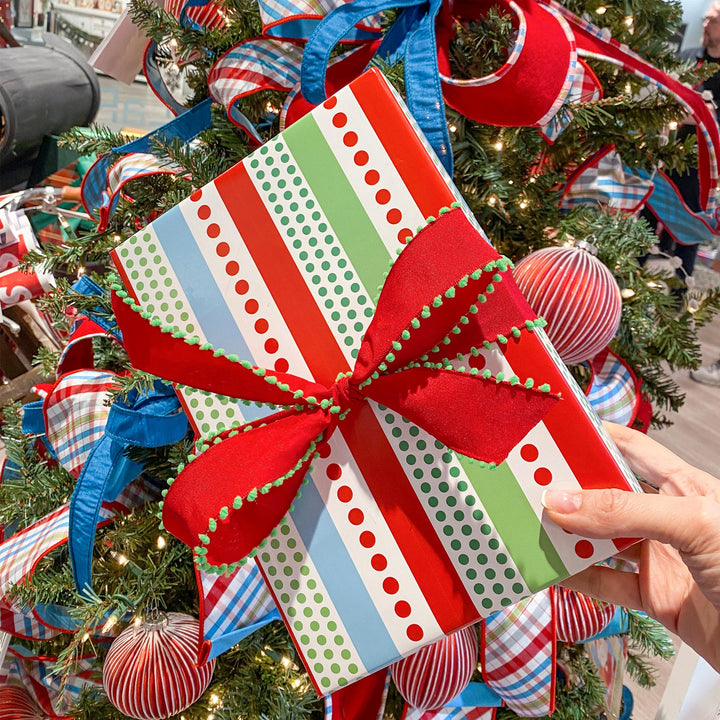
(393, 541)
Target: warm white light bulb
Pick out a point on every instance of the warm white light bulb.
(627, 293)
(601, 10)
(499, 145)
(161, 542)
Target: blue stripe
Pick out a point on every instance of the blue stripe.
(198, 283)
(346, 589)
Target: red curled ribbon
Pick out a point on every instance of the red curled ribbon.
(447, 293)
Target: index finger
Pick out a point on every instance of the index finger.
(659, 466)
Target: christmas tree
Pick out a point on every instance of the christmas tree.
(515, 181)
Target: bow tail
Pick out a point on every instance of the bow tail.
(161, 353)
(454, 406)
(229, 498)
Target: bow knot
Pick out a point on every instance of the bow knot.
(344, 394)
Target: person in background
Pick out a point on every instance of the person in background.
(678, 578)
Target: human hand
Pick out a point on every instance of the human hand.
(678, 578)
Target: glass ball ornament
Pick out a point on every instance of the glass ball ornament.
(151, 669)
(576, 294)
(435, 674)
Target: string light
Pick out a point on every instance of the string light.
(673, 125)
(629, 20)
(116, 238)
(628, 88)
(627, 293)
(161, 542)
(285, 662)
(138, 621)
(85, 637)
(523, 204)
(214, 700)
(174, 43)
(511, 182)
(601, 10)
(492, 200)
(452, 128)
(109, 625)
(122, 560)
(499, 145)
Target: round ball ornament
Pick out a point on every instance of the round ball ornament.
(150, 671)
(16, 704)
(577, 295)
(579, 617)
(435, 674)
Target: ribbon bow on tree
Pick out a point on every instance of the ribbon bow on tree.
(447, 293)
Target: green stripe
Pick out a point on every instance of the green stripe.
(339, 202)
(516, 522)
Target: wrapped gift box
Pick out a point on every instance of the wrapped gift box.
(394, 540)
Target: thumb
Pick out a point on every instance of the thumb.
(690, 524)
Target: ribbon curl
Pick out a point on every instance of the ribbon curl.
(446, 280)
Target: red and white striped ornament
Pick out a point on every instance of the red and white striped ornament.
(435, 674)
(577, 295)
(579, 617)
(150, 671)
(16, 704)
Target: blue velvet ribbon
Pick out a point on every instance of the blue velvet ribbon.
(88, 287)
(185, 127)
(412, 37)
(149, 420)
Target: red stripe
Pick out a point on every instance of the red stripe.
(402, 143)
(376, 459)
(590, 460)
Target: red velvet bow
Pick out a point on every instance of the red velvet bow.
(447, 293)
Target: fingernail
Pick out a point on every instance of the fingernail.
(562, 501)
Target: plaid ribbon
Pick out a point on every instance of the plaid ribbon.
(76, 414)
(203, 14)
(132, 167)
(614, 391)
(232, 607)
(684, 226)
(53, 693)
(20, 554)
(519, 655)
(585, 88)
(594, 42)
(296, 19)
(603, 180)
(254, 65)
(25, 626)
(450, 713)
